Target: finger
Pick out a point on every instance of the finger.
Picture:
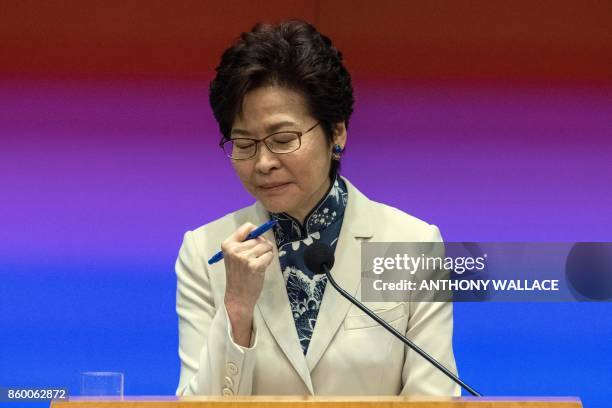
(261, 262)
(264, 239)
(244, 248)
(241, 233)
(259, 250)
(237, 236)
(240, 247)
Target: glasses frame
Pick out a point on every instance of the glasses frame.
(296, 132)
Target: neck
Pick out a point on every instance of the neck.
(301, 213)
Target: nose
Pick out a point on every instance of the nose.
(265, 160)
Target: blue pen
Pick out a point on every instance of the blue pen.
(262, 229)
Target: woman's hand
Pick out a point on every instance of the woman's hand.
(245, 267)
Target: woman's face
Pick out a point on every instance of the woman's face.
(292, 182)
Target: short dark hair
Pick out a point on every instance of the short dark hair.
(292, 54)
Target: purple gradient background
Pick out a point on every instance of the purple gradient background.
(100, 179)
(118, 171)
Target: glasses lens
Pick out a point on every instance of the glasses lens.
(239, 148)
(283, 142)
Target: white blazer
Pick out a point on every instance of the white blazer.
(349, 353)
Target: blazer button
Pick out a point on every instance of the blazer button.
(227, 391)
(232, 368)
(228, 382)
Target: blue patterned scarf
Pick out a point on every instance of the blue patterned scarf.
(305, 289)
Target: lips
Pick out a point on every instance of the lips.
(272, 186)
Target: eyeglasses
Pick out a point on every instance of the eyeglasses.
(243, 148)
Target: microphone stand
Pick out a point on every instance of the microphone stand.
(400, 336)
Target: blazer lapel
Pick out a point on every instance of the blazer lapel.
(356, 226)
(276, 311)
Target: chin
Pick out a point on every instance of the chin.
(275, 206)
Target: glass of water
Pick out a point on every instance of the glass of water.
(102, 383)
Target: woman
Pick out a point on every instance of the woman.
(260, 322)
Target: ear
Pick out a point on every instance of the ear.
(339, 133)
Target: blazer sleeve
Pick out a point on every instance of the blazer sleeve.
(211, 362)
(430, 326)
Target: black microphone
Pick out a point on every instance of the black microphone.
(319, 258)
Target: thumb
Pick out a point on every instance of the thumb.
(241, 233)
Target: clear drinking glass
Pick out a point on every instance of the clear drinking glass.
(102, 383)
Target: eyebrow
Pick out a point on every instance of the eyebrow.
(271, 128)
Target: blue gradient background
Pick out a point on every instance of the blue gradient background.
(101, 178)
